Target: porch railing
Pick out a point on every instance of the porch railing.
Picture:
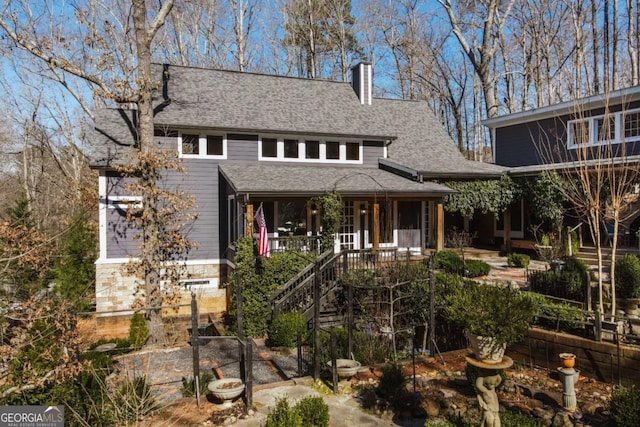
(298, 243)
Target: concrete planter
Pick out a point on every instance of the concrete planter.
(486, 349)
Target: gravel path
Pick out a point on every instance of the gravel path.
(166, 368)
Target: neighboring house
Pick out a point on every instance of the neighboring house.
(251, 139)
(555, 136)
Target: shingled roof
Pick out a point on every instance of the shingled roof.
(247, 102)
(264, 179)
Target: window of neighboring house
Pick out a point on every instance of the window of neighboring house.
(612, 128)
(632, 125)
(578, 133)
(332, 150)
(195, 145)
(269, 147)
(606, 127)
(291, 148)
(312, 149)
(353, 151)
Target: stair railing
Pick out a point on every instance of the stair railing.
(297, 293)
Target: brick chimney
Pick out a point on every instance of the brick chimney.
(361, 82)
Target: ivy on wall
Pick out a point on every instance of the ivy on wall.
(259, 278)
(491, 195)
(332, 217)
(543, 196)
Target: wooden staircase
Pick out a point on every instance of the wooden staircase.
(325, 273)
(298, 293)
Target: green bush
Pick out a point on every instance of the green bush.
(628, 276)
(575, 264)
(282, 415)
(517, 419)
(284, 329)
(568, 284)
(392, 383)
(74, 270)
(342, 345)
(138, 330)
(259, 279)
(449, 261)
(555, 315)
(489, 311)
(313, 411)
(624, 407)
(476, 268)
(518, 260)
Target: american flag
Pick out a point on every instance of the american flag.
(263, 242)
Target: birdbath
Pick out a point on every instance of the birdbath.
(226, 390)
(569, 377)
(486, 383)
(346, 368)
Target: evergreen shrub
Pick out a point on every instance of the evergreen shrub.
(313, 411)
(449, 261)
(518, 260)
(628, 276)
(284, 329)
(624, 407)
(476, 268)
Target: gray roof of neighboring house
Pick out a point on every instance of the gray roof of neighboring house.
(247, 102)
(576, 106)
(261, 178)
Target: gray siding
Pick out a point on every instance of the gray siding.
(371, 152)
(543, 141)
(122, 235)
(200, 180)
(242, 147)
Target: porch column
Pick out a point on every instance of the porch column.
(376, 226)
(439, 224)
(507, 229)
(248, 221)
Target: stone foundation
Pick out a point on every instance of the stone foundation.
(115, 292)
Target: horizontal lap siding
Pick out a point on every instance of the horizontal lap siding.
(242, 147)
(121, 234)
(201, 181)
(537, 142)
(371, 152)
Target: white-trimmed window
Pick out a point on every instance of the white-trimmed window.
(196, 145)
(612, 128)
(124, 202)
(309, 150)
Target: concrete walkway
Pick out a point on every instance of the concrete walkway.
(344, 409)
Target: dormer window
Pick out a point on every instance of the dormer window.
(191, 145)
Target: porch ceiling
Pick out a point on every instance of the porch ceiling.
(279, 179)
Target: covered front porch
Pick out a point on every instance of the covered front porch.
(380, 210)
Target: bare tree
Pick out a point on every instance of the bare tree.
(493, 14)
(114, 75)
(596, 175)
